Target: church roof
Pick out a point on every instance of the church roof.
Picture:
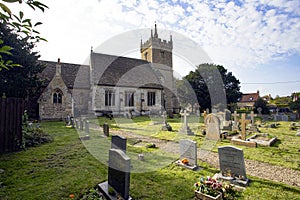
(121, 71)
(73, 75)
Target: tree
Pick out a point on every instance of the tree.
(20, 25)
(19, 81)
(205, 81)
(295, 106)
(262, 104)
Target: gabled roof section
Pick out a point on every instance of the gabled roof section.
(73, 75)
(249, 97)
(123, 72)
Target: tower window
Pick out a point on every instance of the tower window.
(109, 98)
(162, 53)
(57, 96)
(129, 98)
(151, 98)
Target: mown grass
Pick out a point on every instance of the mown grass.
(285, 152)
(65, 166)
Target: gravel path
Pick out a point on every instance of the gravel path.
(253, 168)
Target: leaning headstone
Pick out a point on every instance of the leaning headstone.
(87, 126)
(118, 142)
(188, 154)
(106, 129)
(212, 127)
(185, 127)
(232, 165)
(118, 176)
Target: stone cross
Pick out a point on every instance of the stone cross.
(184, 114)
(244, 122)
(252, 115)
(185, 128)
(235, 117)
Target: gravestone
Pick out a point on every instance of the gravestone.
(244, 123)
(235, 125)
(165, 126)
(81, 124)
(118, 176)
(188, 150)
(259, 110)
(72, 122)
(212, 127)
(87, 126)
(221, 116)
(253, 126)
(227, 115)
(232, 165)
(285, 118)
(76, 123)
(106, 129)
(118, 142)
(185, 128)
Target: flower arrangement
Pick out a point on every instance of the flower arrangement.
(185, 161)
(212, 187)
(209, 186)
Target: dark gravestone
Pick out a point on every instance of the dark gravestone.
(118, 176)
(232, 164)
(118, 142)
(106, 129)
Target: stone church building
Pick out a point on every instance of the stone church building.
(111, 84)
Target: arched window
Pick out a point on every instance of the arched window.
(57, 96)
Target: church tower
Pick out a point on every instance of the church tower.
(159, 52)
(156, 50)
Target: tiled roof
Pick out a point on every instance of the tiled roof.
(123, 71)
(74, 75)
(249, 97)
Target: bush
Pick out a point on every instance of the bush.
(32, 134)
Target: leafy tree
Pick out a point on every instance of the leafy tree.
(20, 25)
(210, 79)
(262, 104)
(186, 93)
(19, 81)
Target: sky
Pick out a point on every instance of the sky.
(257, 40)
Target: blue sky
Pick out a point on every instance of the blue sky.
(259, 41)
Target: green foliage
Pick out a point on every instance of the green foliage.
(262, 104)
(281, 101)
(295, 105)
(205, 80)
(19, 25)
(32, 134)
(20, 81)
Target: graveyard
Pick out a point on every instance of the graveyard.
(75, 163)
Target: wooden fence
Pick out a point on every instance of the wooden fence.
(11, 111)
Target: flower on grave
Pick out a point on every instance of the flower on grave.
(209, 186)
(213, 187)
(185, 161)
(72, 196)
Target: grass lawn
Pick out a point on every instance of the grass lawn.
(63, 167)
(285, 152)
